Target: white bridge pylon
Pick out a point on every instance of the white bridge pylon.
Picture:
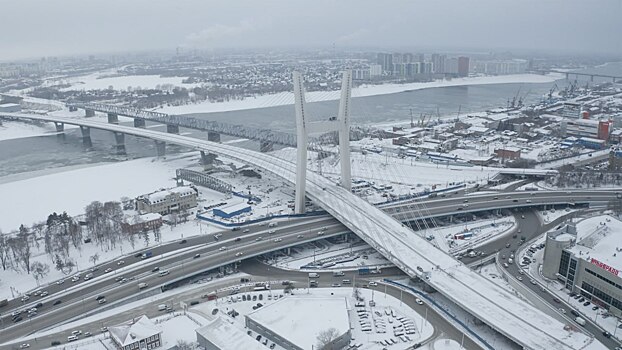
(304, 127)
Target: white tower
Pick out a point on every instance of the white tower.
(304, 128)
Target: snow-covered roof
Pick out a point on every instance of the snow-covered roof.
(480, 129)
(162, 194)
(126, 334)
(300, 318)
(135, 219)
(598, 239)
(234, 207)
(227, 336)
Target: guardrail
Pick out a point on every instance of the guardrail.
(439, 307)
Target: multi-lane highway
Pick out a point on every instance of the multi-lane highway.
(287, 234)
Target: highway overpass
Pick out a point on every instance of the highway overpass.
(500, 309)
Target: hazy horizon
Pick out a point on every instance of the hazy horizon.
(71, 27)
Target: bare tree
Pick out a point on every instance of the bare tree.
(21, 248)
(157, 234)
(5, 257)
(94, 258)
(184, 345)
(325, 337)
(39, 270)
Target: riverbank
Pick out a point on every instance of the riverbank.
(287, 98)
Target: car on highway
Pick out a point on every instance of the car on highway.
(373, 284)
(88, 334)
(507, 245)
(196, 256)
(24, 346)
(562, 310)
(76, 333)
(100, 297)
(246, 230)
(278, 239)
(164, 273)
(336, 285)
(222, 249)
(57, 302)
(239, 254)
(271, 232)
(258, 239)
(183, 241)
(506, 265)
(44, 294)
(519, 278)
(532, 281)
(17, 319)
(606, 334)
(108, 270)
(25, 298)
(419, 301)
(238, 239)
(300, 236)
(155, 269)
(59, 282)
(120, 262)
(556, 300)
(522, 216)
(321, 233)
(101, 301)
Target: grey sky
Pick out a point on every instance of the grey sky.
(35, 28)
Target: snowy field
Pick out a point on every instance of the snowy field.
(287, 98)
(99, 81)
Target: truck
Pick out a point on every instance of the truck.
(314, 275)
(148, 254)
(161, 307)
(142, 285)
(580, 321)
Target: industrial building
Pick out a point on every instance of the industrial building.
(230, 211)
(166, 201)
(587, 258)
(307, 316)
(596, 129)
(615, 159)
(141, 334)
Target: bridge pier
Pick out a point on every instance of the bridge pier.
(207, 158)
(113, 118)
(213, 136)
(172, 129)
(120, 139)
(86, 136)
(60, 127)
(160, 148)
(266, 146)
(89, 113)
(73, 108)
(139, 122)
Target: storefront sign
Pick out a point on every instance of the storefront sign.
(605, 266)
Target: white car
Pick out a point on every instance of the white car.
(24, 346)
(25, 298)
(238, 254)
(44, 294)
(278, 239)
(59, 282)
(121, 262)
(108, 270)
(75, 278)
(419, 301)
(519, 278)
(222, 249)
(373, 284)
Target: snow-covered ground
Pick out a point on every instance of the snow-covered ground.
(100, 81)
(14, 130)
(287, 98)
(550, 215)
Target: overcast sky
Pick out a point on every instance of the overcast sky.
(36, 28)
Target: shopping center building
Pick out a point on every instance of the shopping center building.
(587, 257)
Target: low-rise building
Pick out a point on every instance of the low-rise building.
(508, 152)
(140, 223)
(294, 322)
(222, 335)
(166, 201)
(142, 334)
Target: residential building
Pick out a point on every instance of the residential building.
(508, 152)
(141, 334)
(140, 223)
(463, 66)
(438, 63)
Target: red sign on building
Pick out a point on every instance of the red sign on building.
(605, 266)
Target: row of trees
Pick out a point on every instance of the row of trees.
(586, 178)
(102, 226)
